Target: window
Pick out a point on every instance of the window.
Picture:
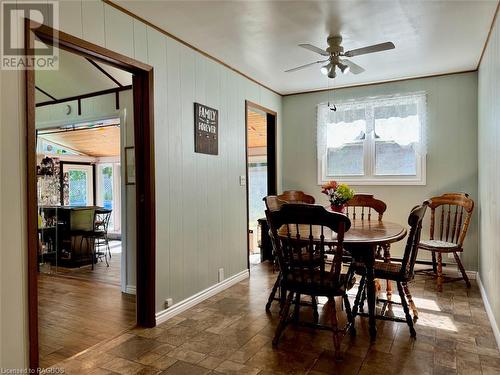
(376, 141)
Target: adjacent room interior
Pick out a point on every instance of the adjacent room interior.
(86, 205)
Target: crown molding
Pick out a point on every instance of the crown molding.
(379, 82)
(488, 37)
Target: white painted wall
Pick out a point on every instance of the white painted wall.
(489, 176)
(201, 219)
(451, 147)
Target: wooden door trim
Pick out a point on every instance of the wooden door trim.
(145, 173)
(273, 147)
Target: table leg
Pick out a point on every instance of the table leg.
(370, 290)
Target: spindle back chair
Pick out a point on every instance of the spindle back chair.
(296, 196)
(362, 206)
(451, 214)
(297, 255)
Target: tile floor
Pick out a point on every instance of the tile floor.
(231, 333)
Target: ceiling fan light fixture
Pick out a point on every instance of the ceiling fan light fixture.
(343, 68)
(325, 69)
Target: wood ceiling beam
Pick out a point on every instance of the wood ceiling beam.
(85, 96)
(101, 69)
(45, 93)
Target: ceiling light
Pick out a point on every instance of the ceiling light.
(343, 68)
(325, 69)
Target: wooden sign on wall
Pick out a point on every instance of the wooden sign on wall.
(206, 129)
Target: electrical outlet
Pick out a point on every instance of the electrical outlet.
(169, 302)
(221, 274)
(243, 180)
(451, 256)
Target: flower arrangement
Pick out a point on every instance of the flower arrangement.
(338, 194)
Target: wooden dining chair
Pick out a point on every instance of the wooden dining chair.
(366, 207)
(296, 196)
(401, 273)
(363, 206)
(302, 275)
(450, 218)
(273, 203)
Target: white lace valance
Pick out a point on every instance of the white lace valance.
(397, 118)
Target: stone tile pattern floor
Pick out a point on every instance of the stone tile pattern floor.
(231, 333)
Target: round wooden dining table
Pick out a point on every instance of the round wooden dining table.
(362, 241)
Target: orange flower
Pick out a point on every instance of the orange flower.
(330, 185)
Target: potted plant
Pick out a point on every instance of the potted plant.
(338, 195)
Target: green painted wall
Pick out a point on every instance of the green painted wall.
(451, 146)
(489, 180)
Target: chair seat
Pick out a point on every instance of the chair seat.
(382, 270)
(319, 283)
(437, 245)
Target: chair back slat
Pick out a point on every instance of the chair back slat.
(456, 212)
(363, 205)
(412, 241)
(296, 196)
(304, 249)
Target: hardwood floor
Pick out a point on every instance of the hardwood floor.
(230, 333)
(101, 273)
(78, 313)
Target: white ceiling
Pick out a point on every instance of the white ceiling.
(259, 38)
(76, 76)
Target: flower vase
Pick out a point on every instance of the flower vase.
(340, 209)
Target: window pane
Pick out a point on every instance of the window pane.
(397, 136)
(345, 148)
(77, 188)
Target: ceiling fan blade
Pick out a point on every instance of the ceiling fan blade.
(310, 47)
(305, 66)
(370, 49)
(353, 68)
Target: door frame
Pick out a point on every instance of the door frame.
(145, 172)
(272, 139)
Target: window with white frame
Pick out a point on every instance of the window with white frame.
(374, 141)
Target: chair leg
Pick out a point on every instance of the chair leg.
(283, 319)
(273, 292)
(296, 308)
(350, 316)
(439, 272)
(363, 298)
(434, 264)
(410, 301)
(462, 270)
(387, 259)
(107, 244)
(335, 328)
(314, 302)
(409, 320)
(359, 294)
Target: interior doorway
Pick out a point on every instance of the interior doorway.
(261, 177)
(86, 197)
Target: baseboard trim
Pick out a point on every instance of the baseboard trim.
(473, 275)
(489, 311)
(164, 315)
(130, 289)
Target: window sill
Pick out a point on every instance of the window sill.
(377, 181)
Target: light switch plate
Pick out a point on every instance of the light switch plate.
(243, 180)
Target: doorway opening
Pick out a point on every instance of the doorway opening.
(90, 180)
(261, 177)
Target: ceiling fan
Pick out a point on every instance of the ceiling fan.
(335, 51)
